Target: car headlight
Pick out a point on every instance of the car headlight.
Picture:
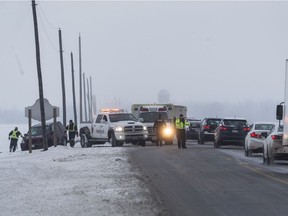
(119, 129)
(144, 128)
(167, 131)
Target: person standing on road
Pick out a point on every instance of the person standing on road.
(159, 126)
(180, 124)
(72, 131)
(13, 137)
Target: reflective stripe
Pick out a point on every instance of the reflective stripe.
(73, 128)
(181, 125)
(14, 134)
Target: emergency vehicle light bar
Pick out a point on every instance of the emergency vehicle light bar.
(107, 110)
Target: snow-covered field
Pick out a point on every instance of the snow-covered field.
(71, 181)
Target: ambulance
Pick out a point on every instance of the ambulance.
(148, 114)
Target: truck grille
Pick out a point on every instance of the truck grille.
(133, 128)
(150, 130)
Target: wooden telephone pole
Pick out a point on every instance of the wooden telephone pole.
(62, 78)
(38, 62)
(80, 80)
(73, 90)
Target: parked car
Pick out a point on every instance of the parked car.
(193, 129)
(254, 140)
(207, 128)
(37, 138)
(231, 131)
(272, 145)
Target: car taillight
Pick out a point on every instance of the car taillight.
(206, 127)
(222, 128)
(254, 135)
(276, 137)
(246, 129)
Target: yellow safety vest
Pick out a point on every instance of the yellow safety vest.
(14, 134)
(181, 125)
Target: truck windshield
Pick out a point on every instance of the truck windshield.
(153, 116)
(122, 117)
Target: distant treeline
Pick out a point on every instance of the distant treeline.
(250, 110)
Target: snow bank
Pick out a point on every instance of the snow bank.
(71, 181)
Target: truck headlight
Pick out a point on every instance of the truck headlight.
(119, 129)
(144, 128)
(167, 131)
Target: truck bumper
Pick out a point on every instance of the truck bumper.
(130, 137)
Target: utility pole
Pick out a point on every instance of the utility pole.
(91, 99)
(94, 105)
(80, 80)
(38, 62)
(85, 109)
(62, 79)
(88, 99)
(73, 90)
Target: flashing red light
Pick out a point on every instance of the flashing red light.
(254, 135)
(276, 137)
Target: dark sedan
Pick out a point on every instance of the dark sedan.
(231, 131)
(193, 131)
(37, 138)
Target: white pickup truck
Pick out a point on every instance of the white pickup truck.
(115, 127)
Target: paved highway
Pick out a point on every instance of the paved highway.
(201, 180)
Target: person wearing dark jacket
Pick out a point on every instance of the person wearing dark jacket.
(72, 131)
(13, 137)
(159, 126)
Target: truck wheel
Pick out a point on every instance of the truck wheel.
(83, 141)
(119, 143)
(142, 142)
(113, 140)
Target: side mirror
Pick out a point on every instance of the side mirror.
(141, 120)
(279, 112)
(264, 134)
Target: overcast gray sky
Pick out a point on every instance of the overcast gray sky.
(198, 51)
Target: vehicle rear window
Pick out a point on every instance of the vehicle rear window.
(238, 123)
(194, 124)
(213, 122)
(263, 126)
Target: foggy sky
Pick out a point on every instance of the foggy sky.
(200, 52)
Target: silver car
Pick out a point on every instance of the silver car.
(254, 140)
(273, 148)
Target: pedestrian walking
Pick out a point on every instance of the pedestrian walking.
(180, 124)
(13, 137)
(159, 126)
(72, 132)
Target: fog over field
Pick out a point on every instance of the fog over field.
(219, 58)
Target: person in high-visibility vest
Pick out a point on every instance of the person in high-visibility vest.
(180, 125)
(13, 137)
(72, 131)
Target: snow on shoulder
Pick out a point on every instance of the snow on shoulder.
(73, 181)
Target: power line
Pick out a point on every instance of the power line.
(52, 26)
